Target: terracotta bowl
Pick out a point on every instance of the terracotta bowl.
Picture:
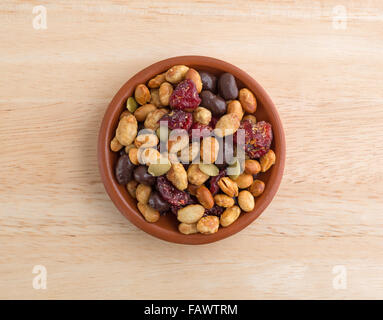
(166, 227)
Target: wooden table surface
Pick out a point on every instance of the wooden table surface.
(320, 61)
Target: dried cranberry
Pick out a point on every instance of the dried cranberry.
(199, 130)
(185, 96)
(215, 211)
(171, 194)
(178, 119)
(258, 138)
(214, 188)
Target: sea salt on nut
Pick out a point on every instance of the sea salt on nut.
(205, 197)
(196, 176)
(208, 225)
(142, 112)
(223, 200)
(228, 124)
(194, 76)
(156, 81)
(176, 73)
(155, 97)
(143, 193)
(115, 145)
(229, 216)
(234, 106)
(191, 213)
(267, 160)
(257, 188)
(146, 140)
(209, 149)
(228, 186)
(142, 94)
(133, 156)
(153, 118)
(246, 201)
(148, 156)
(148, 212)
(132, 187)
(187, 228)
(166, 90)
(248, 101)
(252, 166)
(177, 176)
(244, 180)
(127, 130)
(202, 115)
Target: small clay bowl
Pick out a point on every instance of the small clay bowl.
(166, 227)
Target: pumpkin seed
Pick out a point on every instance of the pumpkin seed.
(160, 167)
(209, 169)
(131, 104)
(234, 170)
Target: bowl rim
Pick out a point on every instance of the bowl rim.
(106, 168)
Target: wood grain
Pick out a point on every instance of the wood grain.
(56, 83)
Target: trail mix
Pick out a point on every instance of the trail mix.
(189, 144)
